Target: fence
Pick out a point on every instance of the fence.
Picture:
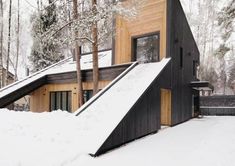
(218, 105)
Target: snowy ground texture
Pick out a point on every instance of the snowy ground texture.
(57, 139)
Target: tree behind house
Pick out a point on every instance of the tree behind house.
(1, 45)
(44, 52)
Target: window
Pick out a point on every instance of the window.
(146, 49)
(181, 57)
(195, 65)
(61, 100)
(87, 94)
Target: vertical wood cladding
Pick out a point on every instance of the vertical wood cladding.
(40, 98)
(165, 107)
(142, 119)
(180, 40)
(150, 19)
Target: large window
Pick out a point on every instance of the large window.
(146, 49)
(60, 100)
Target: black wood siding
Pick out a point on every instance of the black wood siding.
(142, 119)
(179, 36)
(107, 73)
(10, 98)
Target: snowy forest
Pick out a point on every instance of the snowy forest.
(36, 34)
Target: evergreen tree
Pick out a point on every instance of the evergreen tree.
(44, 52)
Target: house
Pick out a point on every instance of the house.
(135, 98)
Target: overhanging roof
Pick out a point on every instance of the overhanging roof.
(201, 85)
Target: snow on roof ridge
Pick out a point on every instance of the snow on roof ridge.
(36, 73)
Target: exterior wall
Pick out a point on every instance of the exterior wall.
(142, 119)
(40, 98)
(152, 18)
(179, 36)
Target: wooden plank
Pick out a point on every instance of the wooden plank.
(166, 107)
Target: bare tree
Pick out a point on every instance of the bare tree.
(95, 52)
(1, 45)
(77, 55)
(18, 39)
(8, 43)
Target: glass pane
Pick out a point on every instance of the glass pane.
(147, 49)
(64, 101)
(69, 104)
(87, 94)
(52, 104)
(58, 100)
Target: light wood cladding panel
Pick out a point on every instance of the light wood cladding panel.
(151, 18)
(165, 107)
(40, 98)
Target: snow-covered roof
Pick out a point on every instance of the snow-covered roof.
(66, 65)
(105, 113)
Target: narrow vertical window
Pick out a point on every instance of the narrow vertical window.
(87, 94)
(181, 57)
(194, 68)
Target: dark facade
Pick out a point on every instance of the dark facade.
(142, 119)
(182, 48)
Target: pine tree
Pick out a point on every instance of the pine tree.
(44, 52)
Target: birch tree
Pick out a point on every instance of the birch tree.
(95, 51)
(8, 43)
(1, 45)
(17, 40)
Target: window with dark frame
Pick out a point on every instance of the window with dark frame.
(61, 100)
(146, 48)
(181, 57)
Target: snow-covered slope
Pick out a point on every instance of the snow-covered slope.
(63, 66)
(57, 139)
(105, 113)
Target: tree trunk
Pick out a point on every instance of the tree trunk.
(8, 44)
(77, 55)
(18, 40)
(95, 52)
(1, 46)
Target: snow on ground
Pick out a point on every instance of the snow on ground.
(57, 139)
